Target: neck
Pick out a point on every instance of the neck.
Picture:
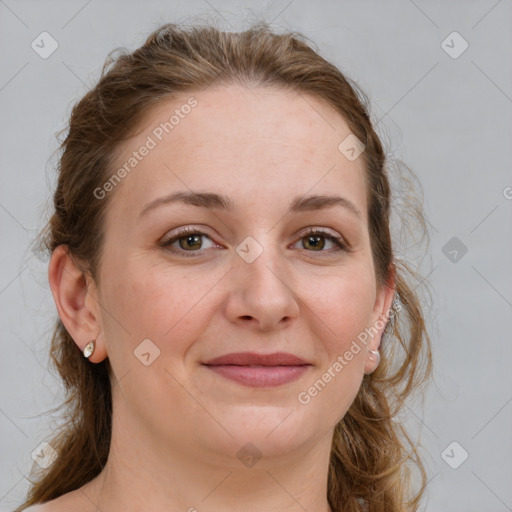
(145, 473)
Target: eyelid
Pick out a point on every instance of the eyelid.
(336, 238)
(183, 231)
(323, 230)
(168, 239)
(179, 233)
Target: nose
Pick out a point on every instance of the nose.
(262, 293)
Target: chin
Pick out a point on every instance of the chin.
(264, 432)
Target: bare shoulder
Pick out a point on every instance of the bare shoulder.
(79, 500)
(64, 503)
(50, 506)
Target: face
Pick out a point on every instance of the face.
(252, 263)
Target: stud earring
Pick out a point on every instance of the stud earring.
(374, 355)
(89, 349)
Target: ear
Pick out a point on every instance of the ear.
(75, 297)
(380, 316)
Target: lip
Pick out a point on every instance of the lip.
(252, 358)
(259, 370)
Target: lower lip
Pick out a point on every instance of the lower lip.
(260, 376)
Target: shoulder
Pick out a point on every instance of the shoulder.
(61, 504)
(43, 507)
(75, 501)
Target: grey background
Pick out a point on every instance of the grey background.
(449, 119)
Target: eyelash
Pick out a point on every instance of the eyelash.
(183, 233)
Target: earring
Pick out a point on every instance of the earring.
(89, 349)
(374, 355)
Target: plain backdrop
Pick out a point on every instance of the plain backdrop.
(439, 77)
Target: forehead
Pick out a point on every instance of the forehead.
(238, 141)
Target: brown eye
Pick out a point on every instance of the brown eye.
(190, 241)
(315, 240)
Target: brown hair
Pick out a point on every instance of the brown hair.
(371, 455)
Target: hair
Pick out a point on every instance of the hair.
(373, 460)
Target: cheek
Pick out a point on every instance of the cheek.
(343, 304)
(150, 302)
(337, 380)
(342, 308)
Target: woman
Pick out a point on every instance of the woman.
(234, 328)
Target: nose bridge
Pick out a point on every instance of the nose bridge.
(262, 260)
(263, 284)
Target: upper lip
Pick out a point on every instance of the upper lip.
(252, 358)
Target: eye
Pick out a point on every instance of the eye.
(188, 240)
(315, 240)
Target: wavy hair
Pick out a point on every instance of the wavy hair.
(372, 458)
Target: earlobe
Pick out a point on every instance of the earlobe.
(70, 290)
(383, 305)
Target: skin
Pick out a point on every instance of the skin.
(177, 426)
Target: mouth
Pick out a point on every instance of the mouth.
(259, 370)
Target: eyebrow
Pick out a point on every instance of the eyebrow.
(218, 201)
